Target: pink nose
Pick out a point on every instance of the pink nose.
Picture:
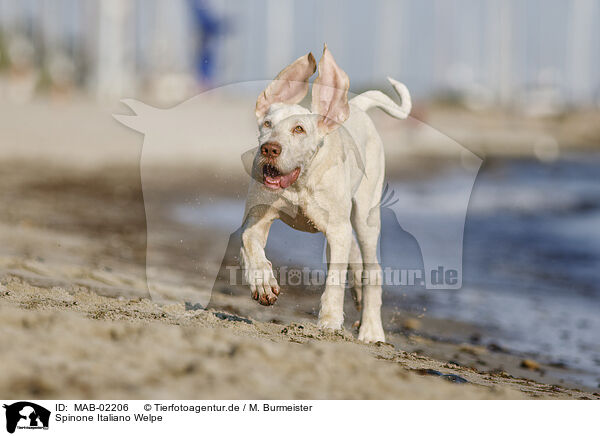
(270, 149)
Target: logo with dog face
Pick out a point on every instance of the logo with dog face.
(26, 415)
(198, 222)
(211, 202)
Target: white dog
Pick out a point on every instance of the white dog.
(320, 170)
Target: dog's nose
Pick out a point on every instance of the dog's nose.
(270, 149)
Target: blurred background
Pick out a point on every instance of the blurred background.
(537, 55)
(516, 83)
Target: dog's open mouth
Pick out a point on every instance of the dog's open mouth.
(273, 179)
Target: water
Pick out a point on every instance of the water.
(531, 252)
(532, 259)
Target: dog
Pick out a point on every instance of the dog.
(320, 170)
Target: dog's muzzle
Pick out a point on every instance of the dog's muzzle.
(273, 179)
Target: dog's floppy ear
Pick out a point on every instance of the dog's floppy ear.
(290, 86)
(330, 93)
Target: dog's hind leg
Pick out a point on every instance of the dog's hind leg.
(355, 267)
(366, 221)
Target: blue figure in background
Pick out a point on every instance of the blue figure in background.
(207, 27)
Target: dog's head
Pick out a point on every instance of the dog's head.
(289, 134)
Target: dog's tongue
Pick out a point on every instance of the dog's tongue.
(282, 181)
(287, 179)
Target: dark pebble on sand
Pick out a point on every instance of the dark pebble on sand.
(530, 364)
(454, 378)
(430, 372)
(495, 347)
(227, 317)
(499, 372)
(449, 377)
(475, 338)
(190, 306)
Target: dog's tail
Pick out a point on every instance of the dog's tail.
(371, 99)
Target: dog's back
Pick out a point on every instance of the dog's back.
(359, 140)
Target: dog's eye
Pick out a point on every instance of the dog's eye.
(267, 124)
(298, 129)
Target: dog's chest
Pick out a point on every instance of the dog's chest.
(300, 222)
(300, 213)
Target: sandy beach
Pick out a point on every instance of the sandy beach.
(78, 320)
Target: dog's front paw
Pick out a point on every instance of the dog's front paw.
(371, 331)
(331, 314)
(330, 321)
(263, 284)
